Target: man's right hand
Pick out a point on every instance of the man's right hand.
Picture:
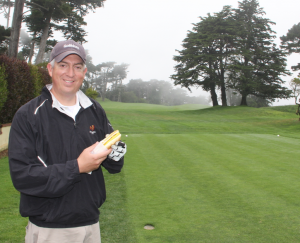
(88, 161)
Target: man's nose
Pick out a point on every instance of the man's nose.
(70, 72)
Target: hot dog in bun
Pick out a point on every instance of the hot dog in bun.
(111, 139)
(107, 142)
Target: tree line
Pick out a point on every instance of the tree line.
(155, 92)
(106, 80)
(231, 52)
(234, 51)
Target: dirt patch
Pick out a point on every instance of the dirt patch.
(149, 227)
(4, 153)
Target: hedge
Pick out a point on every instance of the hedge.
(24, 82)
(3, 87)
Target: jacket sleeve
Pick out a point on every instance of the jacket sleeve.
(111, 166)
(29, 174)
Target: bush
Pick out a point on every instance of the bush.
(19, 85)
(43, 65)
(37, 80)
(46, 79)
(24, 82)
(3, 87)
(91, 93)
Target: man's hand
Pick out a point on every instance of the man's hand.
(88, 162)
(119, 149)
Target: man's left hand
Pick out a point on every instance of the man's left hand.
(119, 149)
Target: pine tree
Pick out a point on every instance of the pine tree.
(258, 64)
(291, 42)
(205, 55)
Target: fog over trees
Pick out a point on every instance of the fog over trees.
(231, 54)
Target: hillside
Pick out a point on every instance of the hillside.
(157, 119)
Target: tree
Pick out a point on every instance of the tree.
(223, 35)
(56, 15)
(16, 28)
(138, 87)
(195, 64)
(119, 73)
(106, 75)
(295, 86)
(5, 7)
(291, 42)
(53, 10)
(158, 92)
(235, 98)
(25, 41)
(4, 35)
(258, 64)
(204, 58)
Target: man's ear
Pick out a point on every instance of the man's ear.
(85, 70)
(49, 67)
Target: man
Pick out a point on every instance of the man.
(50, 154)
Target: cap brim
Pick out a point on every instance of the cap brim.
(63, 55)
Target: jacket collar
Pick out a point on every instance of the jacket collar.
(84, 101)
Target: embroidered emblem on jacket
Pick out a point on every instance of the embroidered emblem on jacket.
(92, 129)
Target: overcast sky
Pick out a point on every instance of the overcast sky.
(145, 34)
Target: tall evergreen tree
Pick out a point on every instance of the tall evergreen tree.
(291, 42)
(258, 64)
(205, 55)
(62, 15)
(119, 74)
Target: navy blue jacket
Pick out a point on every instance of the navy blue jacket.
(44, 145)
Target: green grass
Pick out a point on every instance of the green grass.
(12, 224)
(213, 188)
(197, 173)
(155, 119)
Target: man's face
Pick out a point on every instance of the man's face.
(67, 76)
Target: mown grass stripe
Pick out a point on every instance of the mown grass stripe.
(220, 187)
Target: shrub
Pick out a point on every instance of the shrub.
(40, 78)
(91, 93)
(22, 83)
(37, 80)
(46, 79)
(43, 65)
(19, 85)
(3, 87)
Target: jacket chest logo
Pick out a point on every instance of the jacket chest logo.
(92, 129)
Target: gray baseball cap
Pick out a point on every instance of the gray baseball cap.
(66, 48)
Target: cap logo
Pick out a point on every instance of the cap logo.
(71, 45)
